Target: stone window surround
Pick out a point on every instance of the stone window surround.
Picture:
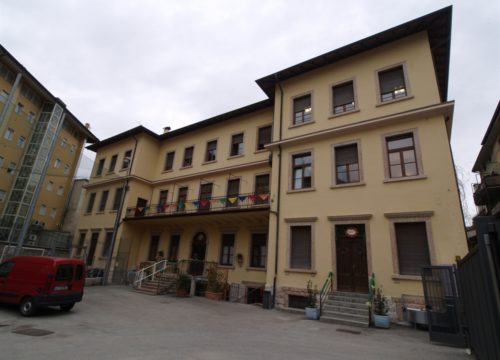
(291, 123)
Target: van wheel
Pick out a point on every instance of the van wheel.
(27, 307)
(67, 307)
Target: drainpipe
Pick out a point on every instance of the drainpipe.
(117, 219)
(277, 213)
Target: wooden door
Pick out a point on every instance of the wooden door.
(352, 269)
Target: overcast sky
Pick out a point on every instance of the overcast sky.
(118, 64)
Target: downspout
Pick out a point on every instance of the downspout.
(277, 213)
(117, 219)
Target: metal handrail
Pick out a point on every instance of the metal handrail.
(325, 291)
(150, 271)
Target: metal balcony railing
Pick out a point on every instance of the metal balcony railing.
(213, 204)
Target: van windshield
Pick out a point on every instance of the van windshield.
(64, 272)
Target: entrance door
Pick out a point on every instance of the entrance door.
(198, 251)
(205, 196)
(93, 245)
(140, 208)
(352, 269)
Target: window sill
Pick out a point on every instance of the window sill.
(406, 277)
(256, 269)
(99, 212)
(110, 172)
(235, 156)
(229, 267)
(261, 150)
(340, 186)
(87, 214)
(167, 171)
(407, 178)
(97, 176)
(113, 211)
(379, 103)
(123, 169)
(302, 271)
(293, 126)
(333, 116)
(186, 167)
(209, 162)
(300, 190)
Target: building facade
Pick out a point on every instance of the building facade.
(345, 168)
(40, 147)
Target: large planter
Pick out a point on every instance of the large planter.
(382, 321)
(182, 293)
(214, 295)
(312, 313)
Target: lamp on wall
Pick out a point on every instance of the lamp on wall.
(239, 259)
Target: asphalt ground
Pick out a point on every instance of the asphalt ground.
(113, 322)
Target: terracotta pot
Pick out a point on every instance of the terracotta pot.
(214, 295)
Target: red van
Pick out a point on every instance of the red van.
(39, 281)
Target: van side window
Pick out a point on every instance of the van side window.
(6, 268)
(64, 272)
(79, 272)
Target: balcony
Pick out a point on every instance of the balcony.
(488, 191)
(221, 204)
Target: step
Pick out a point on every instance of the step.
(350, 294)
(346, 304)
(345, 316)
(346, 310)
(336, 320)
(145, 291)
(348, 299)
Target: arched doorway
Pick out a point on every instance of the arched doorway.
(198, 253)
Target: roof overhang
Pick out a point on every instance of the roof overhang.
(490, 138)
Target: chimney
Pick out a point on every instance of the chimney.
(166, 129)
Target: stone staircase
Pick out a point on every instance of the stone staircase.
(160, 284)
(346, 308)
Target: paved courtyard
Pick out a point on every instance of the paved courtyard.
(115, 323)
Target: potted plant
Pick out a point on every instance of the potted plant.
(215, 287)
(183, 285)
(380, 309)
(312, 312)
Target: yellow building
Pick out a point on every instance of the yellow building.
(40, 147)
(345, 168)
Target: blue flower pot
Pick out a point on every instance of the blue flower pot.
(382, 321)
(312, 313)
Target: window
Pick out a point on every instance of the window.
(4, 96)
(343, 98)
(66, 169)
(182, 198)
(163, 197)
(9, 134)
(169, 160)
(1, 161)
(19, 108)
(2, 195)
(57, 163)
(50, 186)
(107, 244)
(211, 153)
(173, 247)
(392, 84)
(153, 247)
(205, 196)
(401, 155)
(104, 199)
(258, 251)
(237, 145)
(90, 204)
(346, 164)
(11, 168)
(100, 167)
(118, 199)
(53, 213)
(30, 117)
(233, 190)
(302, 171)
(21, 141)
(42, 210)
(81, 241)
(264, 136)
(262, 189)
(112, 164)
(127, 158)
(227, 250)
(73, 148)
(300, 247)
(188, 156)
(302, 110)
(412, 247)
(60, 190)
(64, 142)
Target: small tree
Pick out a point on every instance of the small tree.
(380, 303)
(311, 295)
